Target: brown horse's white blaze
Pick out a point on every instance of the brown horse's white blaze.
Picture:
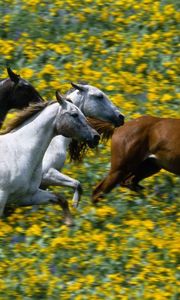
(140, 149)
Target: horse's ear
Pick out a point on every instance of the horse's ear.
(80, 87)
(13, 76)
(59, 98)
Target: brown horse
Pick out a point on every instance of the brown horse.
(139, 149)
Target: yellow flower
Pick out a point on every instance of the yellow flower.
(34, 230)
(141, 68)
(116, 277)
(19, 229)
(111, 226)
(5, 229)
(105, 211)
(152, 96)
(148, 224)
(166, 97)
(27, 73)
(129, 61)
(61, 241)
(74, 286)
(89, 279)
(3, 285)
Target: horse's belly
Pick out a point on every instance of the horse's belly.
(18, 196)
(169, 164)
(23, 186)
(172, 167)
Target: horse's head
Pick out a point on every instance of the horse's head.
(21, 93)
(95, 104)
(71, 122)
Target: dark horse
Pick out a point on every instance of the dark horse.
(139, 149)
(15, 92)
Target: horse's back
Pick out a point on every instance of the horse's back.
(166, 132)
(144, 123)
(133, 130)
(164, 141)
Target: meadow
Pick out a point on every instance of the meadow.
(127, 247)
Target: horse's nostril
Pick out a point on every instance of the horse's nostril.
(121, 118)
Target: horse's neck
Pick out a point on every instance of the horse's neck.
(37, 132)
(5, 90)
(3, 113)
(6, 87)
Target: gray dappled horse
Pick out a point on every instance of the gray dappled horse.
(15, 92)
(94, 104)
(23, 145)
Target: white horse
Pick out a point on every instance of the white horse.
(23, 146)
(94, 104)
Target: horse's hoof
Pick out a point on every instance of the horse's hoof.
(95, 200)
(133, 187)
(75, 204)
(79, 188)
(136, 188)
(68, 222)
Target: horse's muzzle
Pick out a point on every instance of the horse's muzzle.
(94, 141)
(119, 120)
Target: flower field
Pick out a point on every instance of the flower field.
(127, 247)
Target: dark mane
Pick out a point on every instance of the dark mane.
(104, 128)
(24, 115)
(77, 150)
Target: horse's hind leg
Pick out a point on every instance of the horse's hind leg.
(45, 197)
(106, 185)
(145, 169)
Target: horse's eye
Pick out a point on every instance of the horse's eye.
(74, 115)
(100, 96)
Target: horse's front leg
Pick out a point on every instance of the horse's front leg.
(106, 185)
(3, 199)
(55, 178)
(45, 197)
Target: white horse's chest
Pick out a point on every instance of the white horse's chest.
(55, 155)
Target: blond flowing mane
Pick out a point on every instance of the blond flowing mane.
(24, 115)
(77, 150)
